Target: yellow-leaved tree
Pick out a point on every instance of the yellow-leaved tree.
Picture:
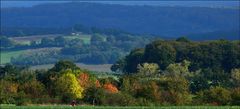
(68, 87)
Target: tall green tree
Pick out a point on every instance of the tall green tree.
(235, 76)
(133, 59)
(160, 52)
(148, 69)
(64, 65)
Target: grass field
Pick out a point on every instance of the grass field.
(85, 38)
(6, 56)
(112, 107)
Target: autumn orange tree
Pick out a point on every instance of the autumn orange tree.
(110, 88)
(83, 79)
(87, 80)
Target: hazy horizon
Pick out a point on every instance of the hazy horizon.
(5, 4)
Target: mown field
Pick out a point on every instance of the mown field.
(7, 55)
(85, 38)
(117, 107)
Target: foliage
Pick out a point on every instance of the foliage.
(36, 57)
(148, 69)
(161, 53)
(119, 66)
(118, 99)
(182, 39)
(110, 88)
(34, 91)
(176, 91)
(83, 80)
(132, 60)
(8, 92)
(64, 65)
(218, 56)
(148, 86)
(216, 96)
(178, 69)
(235, 75)
(68, 87)
(235, 96)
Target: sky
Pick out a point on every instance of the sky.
(6, 3)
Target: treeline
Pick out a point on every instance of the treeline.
(99, 49)
(19, 32)
(207, 70)
(149, 86)
(215, 56)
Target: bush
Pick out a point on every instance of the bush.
(100, 96)
(8, 92)
(144, 102)
(235, 96)
(176, 91)
(118, 99)
(22, 99)
(217, 96)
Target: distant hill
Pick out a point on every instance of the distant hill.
(158, 20)
(202, 3)
(229, 35)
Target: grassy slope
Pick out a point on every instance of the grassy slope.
(85, 38)
(6, 56)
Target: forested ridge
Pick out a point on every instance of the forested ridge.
(143, 55)
(216, 55)
(161, 21)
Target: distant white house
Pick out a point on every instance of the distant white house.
(76, 33)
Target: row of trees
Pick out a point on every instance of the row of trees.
(147, 87)
(61, 84)
(217, 56)
(177, 72)
(101, 49)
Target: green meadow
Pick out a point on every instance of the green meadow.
(85, 38)
(7, 55)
